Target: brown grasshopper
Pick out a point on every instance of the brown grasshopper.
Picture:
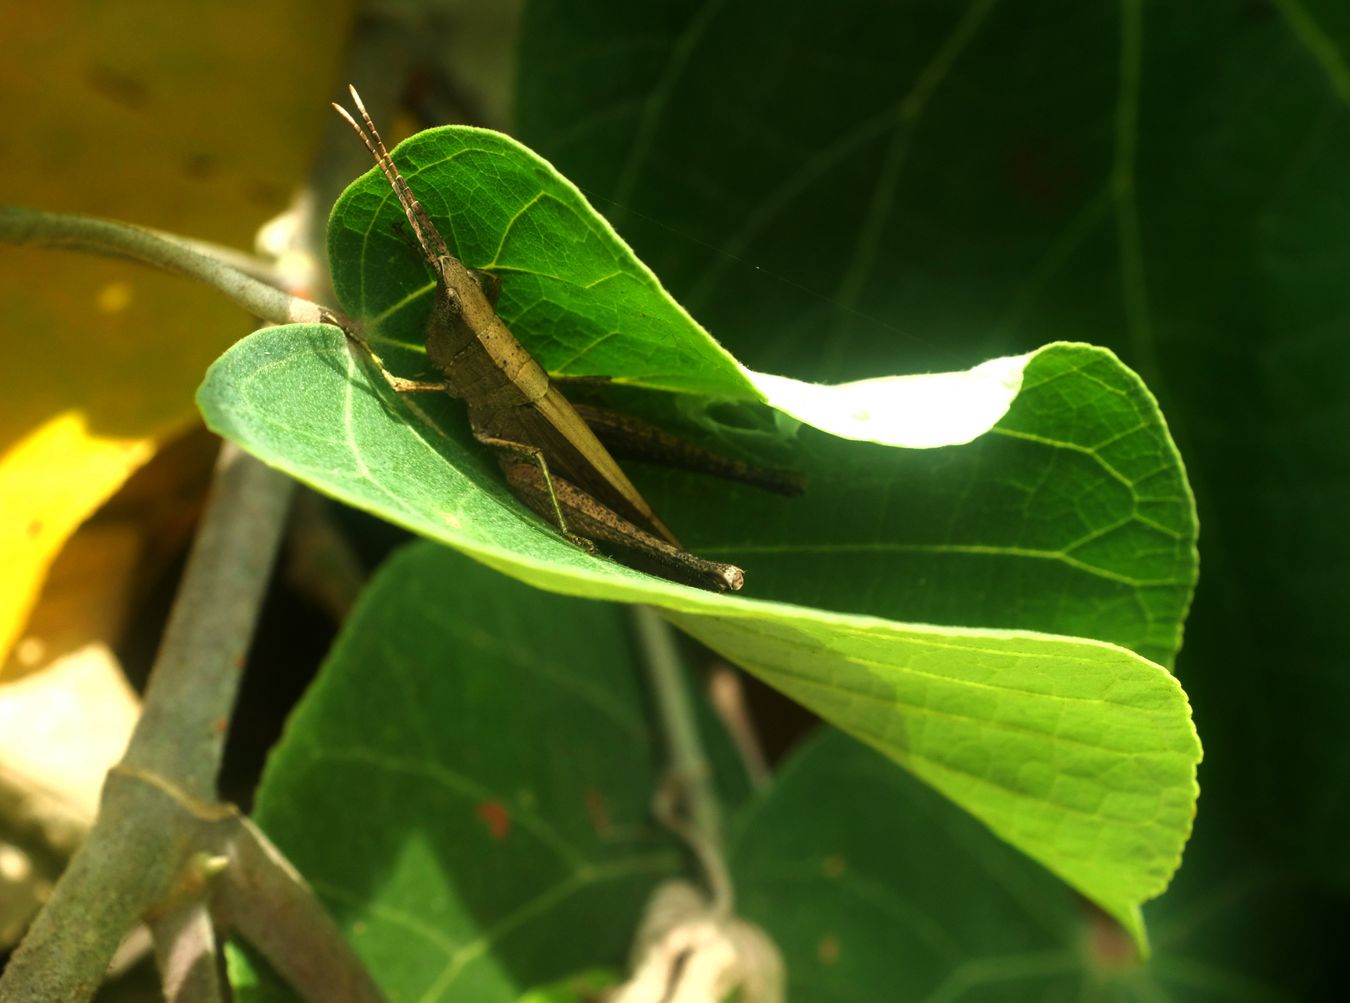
(550, 454)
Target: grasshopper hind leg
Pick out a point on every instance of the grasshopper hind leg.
(612, 532)
(546, 503)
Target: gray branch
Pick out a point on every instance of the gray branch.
(264, 900)
(185, 950)
(181, 733)
(73, 232)
(688, 806)
(138, 845)
(159, 818)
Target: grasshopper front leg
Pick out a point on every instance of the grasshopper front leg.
(399, 385)
(396, 383)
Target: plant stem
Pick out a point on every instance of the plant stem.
(191, 691)
(267, 903)
(726, 693)
(700, 826)
(74, 232)
(137, 844)
(185, 950)
(68, 946)
(321, 563)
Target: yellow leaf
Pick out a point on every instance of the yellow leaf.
(44, 497)
(201, 124)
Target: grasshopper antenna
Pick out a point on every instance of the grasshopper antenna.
(433, 245)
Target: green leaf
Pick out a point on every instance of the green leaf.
(1073, 516)
(1069, 750)
(1078, 519)
(590, 305)
(454, 827)
(875, 888)
(1079, 752)
(912, 185)
(861, 875)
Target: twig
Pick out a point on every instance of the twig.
(74, 232)
(726, 693)
(158, 818)
(692, 947)
(185, 950)
(321, 562)
(690, 774)
(137, 846)
(181, 734)
(264, 899)
(158, 811)
(70, 942)
(261, 268)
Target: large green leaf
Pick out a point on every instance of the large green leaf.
(1073, 516)
(590, 306)
(469, 777)
(1079, 752)
(926, 185)
(489, 821)
(874, 888)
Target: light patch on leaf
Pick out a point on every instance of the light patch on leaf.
(919, 412)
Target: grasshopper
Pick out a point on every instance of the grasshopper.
(550, 454)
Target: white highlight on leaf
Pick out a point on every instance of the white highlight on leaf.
(918, 412)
